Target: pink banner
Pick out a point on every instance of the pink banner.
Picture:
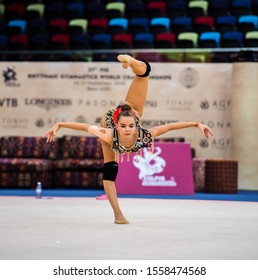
(168, 170)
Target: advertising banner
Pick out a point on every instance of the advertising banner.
(36, 95)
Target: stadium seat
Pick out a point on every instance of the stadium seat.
(59, 42)
(251, 39)
(2, 11)
(138, 25)
(247, 23)
(3, 42)
(165, 40)
(54, 11)
(181, 24)
(187, 40)
(12, 11)
(57, 26)
(16, 26)
(203, 24)
(155, 9)
(122, 41)
(18, 42)
(176, 9)
(117, 25)
(143, 41)
(77, 26)
(197, 8)
(38, 42)
(115, 10)
(240, 7)
(209, 40)
(97, 26)
(75, 11)
(37, 26)
(80, 42)
(101, 41)
(135, 10)
(94, 10)
(35, 11)
(232, 39)
(218, 8)
(225, 24)
(159, 25)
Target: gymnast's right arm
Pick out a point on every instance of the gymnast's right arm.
(51, 133)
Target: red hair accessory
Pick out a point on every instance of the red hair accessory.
(118, 111)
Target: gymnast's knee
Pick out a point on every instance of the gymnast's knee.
(110, 171)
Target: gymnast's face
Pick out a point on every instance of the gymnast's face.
(126, 126)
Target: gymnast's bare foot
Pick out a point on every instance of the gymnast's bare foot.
(137, 66)
(122, 221)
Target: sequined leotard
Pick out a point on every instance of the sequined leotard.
(144, 137)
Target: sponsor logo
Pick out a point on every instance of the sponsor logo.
(14, 122)
(219, 105)
(204, 105)
(39, 123)
(10, 79)
(150, 164)
(189, 77)
(221, 143)
(48, 103)
(8, 102)
(180, 104)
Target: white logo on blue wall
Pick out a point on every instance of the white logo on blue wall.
(150, 164)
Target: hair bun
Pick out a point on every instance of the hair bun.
(126, 107)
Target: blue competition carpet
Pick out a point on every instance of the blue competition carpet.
(251, 196)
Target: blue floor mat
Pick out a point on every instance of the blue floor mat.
(242, 195)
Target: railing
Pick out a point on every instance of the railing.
(155, 55)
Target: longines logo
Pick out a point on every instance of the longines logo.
(189, 77)
(48, 103)
(9, 75)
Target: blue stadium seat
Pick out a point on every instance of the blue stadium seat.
(181, 24)
(101, 41)
(15, 27)
(209, 39)
(247, 23)
(225, 23)
(232, 39)
(38, 42)
(138, 25)
(143, 41)
(3, 42)
(80, 42)
(159, 25)
(117, 25)
(75, 11)
(135, 10)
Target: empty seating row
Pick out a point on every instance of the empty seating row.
(113, 26)
(231, 39)
(125, 9)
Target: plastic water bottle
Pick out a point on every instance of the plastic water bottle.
(39, 190)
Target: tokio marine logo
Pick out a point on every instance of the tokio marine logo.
(150, 164)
